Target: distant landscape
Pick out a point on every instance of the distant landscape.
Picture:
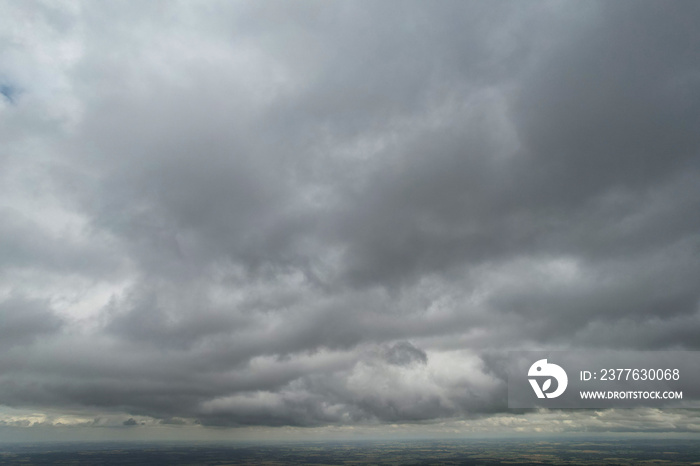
(423, 452)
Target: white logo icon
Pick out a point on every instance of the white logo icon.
(541, 369)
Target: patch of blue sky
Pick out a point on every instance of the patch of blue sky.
(9, 92)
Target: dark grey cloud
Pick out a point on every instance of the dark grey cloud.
(23, 320)
(404, 353)
(308, 214)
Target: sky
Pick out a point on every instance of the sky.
(276, 219)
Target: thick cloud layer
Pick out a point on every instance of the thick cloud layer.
(338, 213)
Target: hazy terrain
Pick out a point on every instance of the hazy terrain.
(474, 452)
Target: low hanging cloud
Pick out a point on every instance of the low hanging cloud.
(306, 214)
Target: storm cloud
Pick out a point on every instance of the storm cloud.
(309, 213)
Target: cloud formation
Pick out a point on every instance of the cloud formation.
(304, 214)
